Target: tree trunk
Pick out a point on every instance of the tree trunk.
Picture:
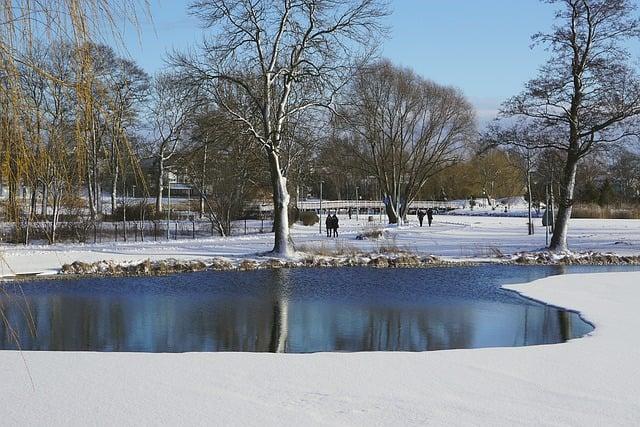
(54, 217)
(98, 190)
(159, 184)
(529, 194)
(124, 210)
(32, 212)
(114, 189)
(45, 199)
(202, 182)
(90, 195)
(559, 238)
(390, 209)
(282, 246)
(396, 209)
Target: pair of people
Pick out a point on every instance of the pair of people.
(331, 224)
(421, 215)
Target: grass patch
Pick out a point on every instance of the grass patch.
(391, 247)
(373, 234)
(339, 247)
(593, 211)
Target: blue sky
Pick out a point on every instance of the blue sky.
(479, 46)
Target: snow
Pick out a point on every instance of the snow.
(594, 380)
(450, 237)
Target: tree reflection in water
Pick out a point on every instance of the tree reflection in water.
(283, 310)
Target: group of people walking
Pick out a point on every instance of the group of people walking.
(332, 225)
(428, 213)
(332, 221)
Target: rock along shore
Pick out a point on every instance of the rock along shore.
(402, 260)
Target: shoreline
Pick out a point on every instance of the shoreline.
(470, 240)
(374, 260)
(169, 266)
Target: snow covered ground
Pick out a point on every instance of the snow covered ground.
(451, 237)
(589, 381)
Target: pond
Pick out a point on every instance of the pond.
(293, 311)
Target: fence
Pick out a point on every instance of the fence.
(131, 231)
(371, 205)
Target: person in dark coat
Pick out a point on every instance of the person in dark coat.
(420, 216)
(429, 216)
(328, 224)
(334, 219)
(349, 211)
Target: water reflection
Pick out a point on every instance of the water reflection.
(286, 311)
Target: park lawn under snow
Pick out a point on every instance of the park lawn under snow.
(593, 380)
(452, 237)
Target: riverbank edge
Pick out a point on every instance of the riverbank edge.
(148, 267)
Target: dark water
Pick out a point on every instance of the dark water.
(296, 311)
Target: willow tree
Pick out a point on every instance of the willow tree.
(402, 129)
(587, 95)
(280, 58)
(24, 25)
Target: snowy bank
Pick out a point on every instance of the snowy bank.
(589, 381)
(452, 238)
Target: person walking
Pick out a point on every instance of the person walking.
(349, 212)
(335, 225)
(429, 216)
(328, 224)
(420, 216)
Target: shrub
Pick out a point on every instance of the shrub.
(294, 215)
(309, 218)
(134, 213)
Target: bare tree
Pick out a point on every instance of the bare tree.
(127, 89)
(403, 129)
(627, 174)
(522, 141)
(279, 58)
(170, 112)
(23, 24)
(587, 94)
(222, 169)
